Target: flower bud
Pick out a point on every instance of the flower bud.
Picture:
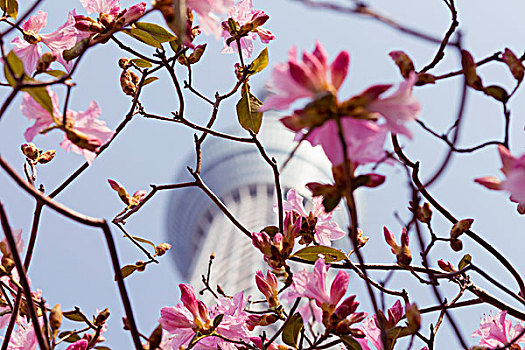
(128, 82)
(30, 151)
(45, 61)
(102, 316)
(55, 317)
(141, 266)
(456, 245)
(124, 62)
(460, 227)
(122, 193)
(259, 18)
(162, 248)
(47, 156)
(446, 266)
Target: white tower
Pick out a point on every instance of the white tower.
(244, 182)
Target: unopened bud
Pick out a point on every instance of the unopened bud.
(124, 62)
(141, 266)
(361, 238)
(404, 256)
(259, 18)
(45, 61)
(460, 227)
(55, 317)
(30, 151)
(128, 82)
(102, 316)
(126, 324)
(446, 266)
(183, 59)
(47, 156)
(162, 248)
(212, 256)
(197, 54)
(456, 245)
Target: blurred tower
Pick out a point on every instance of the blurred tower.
(243, 181)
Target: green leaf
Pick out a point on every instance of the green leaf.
(143, 240)
(260, 62)
(149, 80)
(350, 342)
(10, 7)
(312, 253)
(248, 110)
(76, 50)
(139, 62)
(143, 36)
(465, 261)
(156, 31)
(217, 320)
(155, 338)
(127, 270)
(292, 329)
(39, 94)
(497, 92)
(73, 315)
(55, 73)
(71, 338)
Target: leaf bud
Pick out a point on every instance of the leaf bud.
(30, 151)
(55, 317)
(8, 264)
(141, 266)
(162, 248)
(47, 156)
(102, 316)
(124, 62)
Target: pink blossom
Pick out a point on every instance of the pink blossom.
(373, 332)
(496, 331)
(325, 230)
(403, 254)
(78, 345)
(514, 170)
(398, 108)
(183, 320)
(208, 11)
(110, 7)
(267, 286)
(364, 140)
(243, 13)
(29, 50)
(85, 123)
(24, 338)
(307, 78)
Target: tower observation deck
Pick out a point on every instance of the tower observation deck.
(243, 181)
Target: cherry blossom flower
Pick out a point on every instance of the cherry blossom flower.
(496, 331)
(514, 170)
(325, 231)
(244, 14)
(83, 125)
(313, 285)
(364, 140)
(398, 108)
(110, 7)
(24, 338)
(78, 345)
(307, 78)
(373, 332)
(113, 8)
(29, 49)
(208, 11)
(183, 320)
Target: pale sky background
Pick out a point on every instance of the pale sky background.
(71, 265)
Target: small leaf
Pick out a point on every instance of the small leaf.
(425, 78)
(497, 92)
(143, 36)
(71, 338)
(217, 320)
(55, 73)
(127, 270)
(350, 343)
(271, 230)
(465, 261)
(248, 110)
(73, 315)
(155, 338)
(403, 62)
(149, 80)
(260, 62)
(139, 62)
(469, 69)
(143, 240)
(156, 31)
(312, 253)
(292, 329)
(10, 7)
(514, 63)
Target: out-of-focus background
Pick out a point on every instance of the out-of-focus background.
(71, 264)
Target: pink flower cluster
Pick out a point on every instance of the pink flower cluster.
(183, 320)
(313, 78)
(325, 231)
(514, 170)
(497, 331)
